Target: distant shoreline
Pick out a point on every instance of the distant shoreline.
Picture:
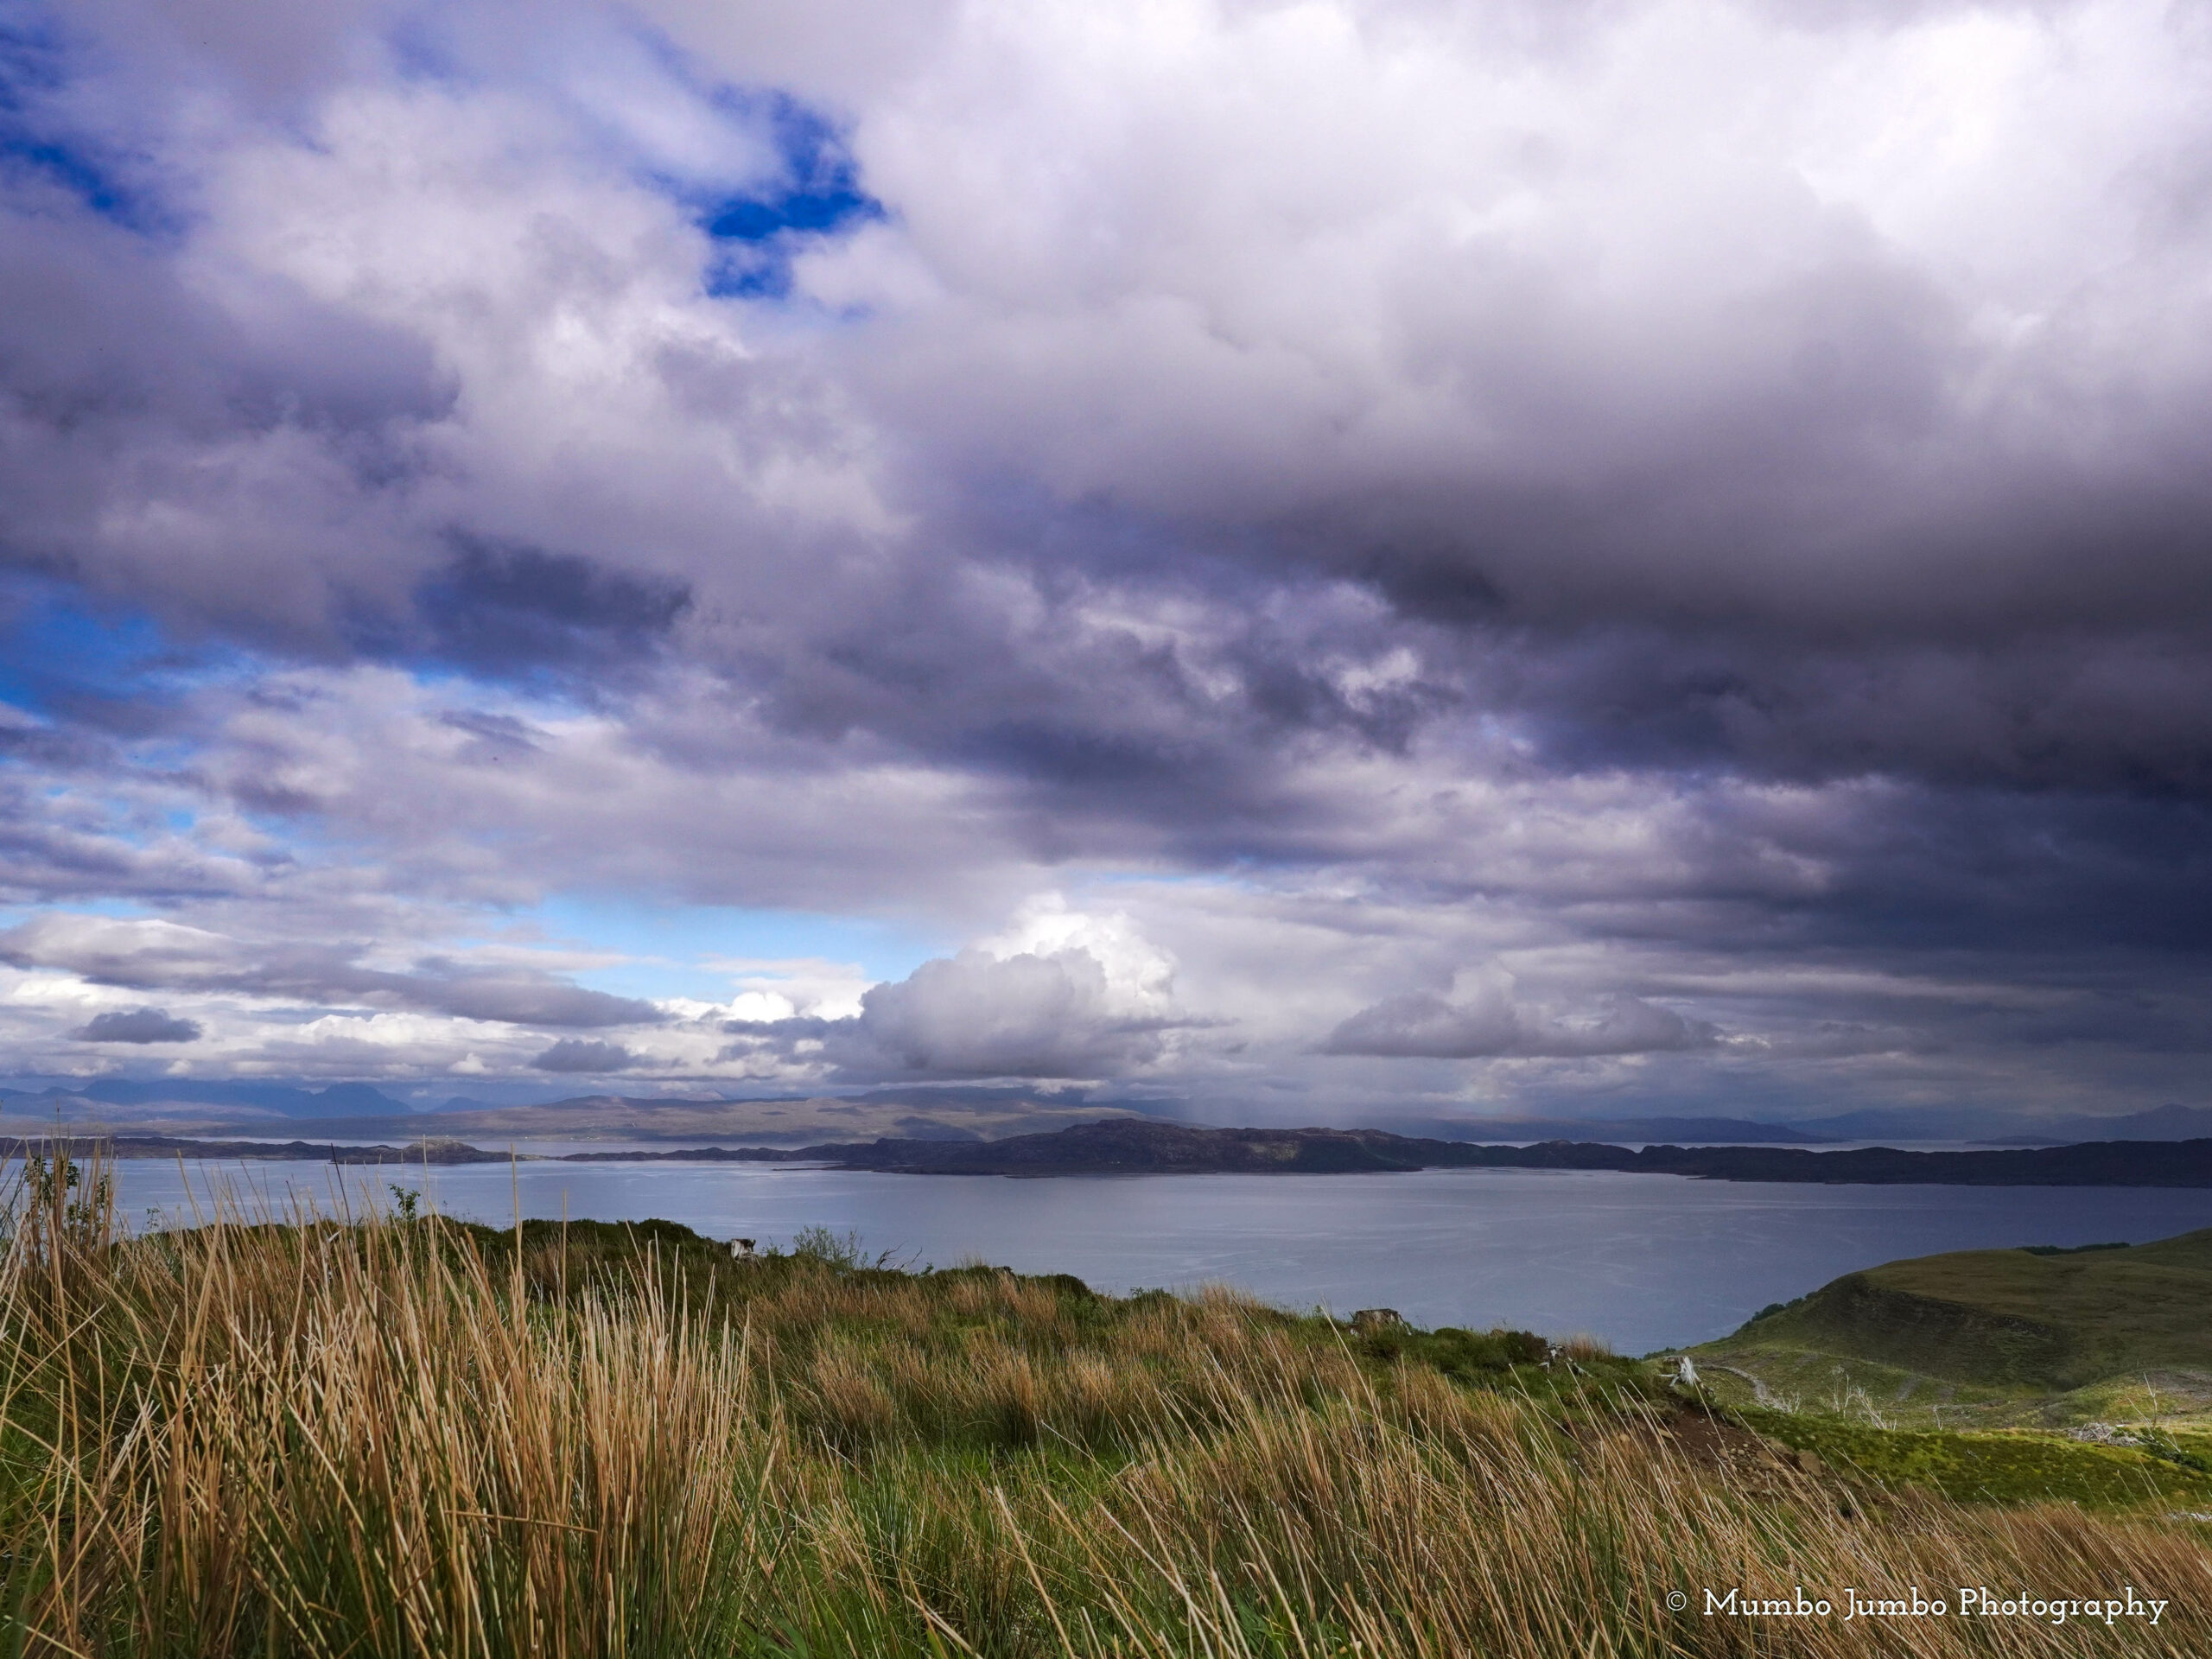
(1123, 1146)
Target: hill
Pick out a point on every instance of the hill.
(2011, 1334)
(1635, 1131)
(1147, 1146)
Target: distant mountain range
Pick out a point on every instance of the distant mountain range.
(1983, 1125)
(1978, 1126)
(2160, 1123)
(357, 1112)
(360, 1111)
(1137, 1146)
(1687, 1131)
(762, 1122)
(338, 1100)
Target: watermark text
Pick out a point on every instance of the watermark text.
(1851, 1603)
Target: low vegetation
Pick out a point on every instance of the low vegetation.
(2007, 1467)
(403, 1436)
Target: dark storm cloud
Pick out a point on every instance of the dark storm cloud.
(1422, 1025)
(138, 1025)
(1764, 597)
(162, 955)
(1168, 708)
(499, 608)
(2125, 714)
(584, 1055)
(2033, 876)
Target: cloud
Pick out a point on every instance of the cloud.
(496, 608)
(166, 956)
(1700, 505)
(1096, 1001)
(138, 1025)
(1699, 445)
(975, 1015)
(581, 1054)
(1489, 1024)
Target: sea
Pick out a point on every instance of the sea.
(1643, 1262)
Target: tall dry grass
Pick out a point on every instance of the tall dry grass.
(323, 1439)
(379, 1438)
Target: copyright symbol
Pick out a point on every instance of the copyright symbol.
(1676, 1601)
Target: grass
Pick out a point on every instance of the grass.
(385, 1437)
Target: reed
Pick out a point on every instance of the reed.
(369, 1436)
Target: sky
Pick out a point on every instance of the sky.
(1297, 561)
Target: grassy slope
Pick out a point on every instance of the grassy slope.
(1997, 1336)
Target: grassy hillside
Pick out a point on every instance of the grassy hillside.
(2071, 1333)
(414, 1437)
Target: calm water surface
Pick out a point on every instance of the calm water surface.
(1645, 1261)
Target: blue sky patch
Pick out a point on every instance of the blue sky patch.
(672, 944)
(819, 193)
(37, 140)
(56, 649)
